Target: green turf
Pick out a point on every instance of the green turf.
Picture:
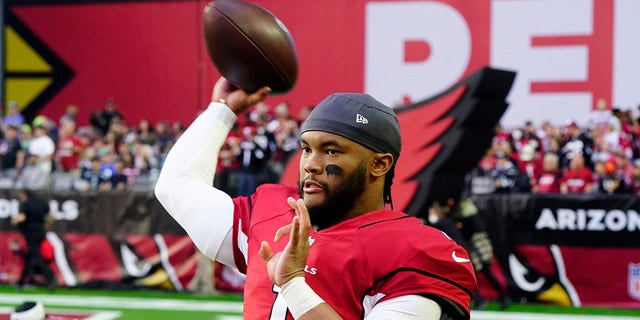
(146, 293)
(542, 308)
(131, 314)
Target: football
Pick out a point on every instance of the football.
(249, 46)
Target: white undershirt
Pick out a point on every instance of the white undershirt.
(185, 190)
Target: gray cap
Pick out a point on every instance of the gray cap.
(360, 118)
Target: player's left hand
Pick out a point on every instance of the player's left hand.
(284, 266)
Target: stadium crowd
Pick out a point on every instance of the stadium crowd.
(600, 156)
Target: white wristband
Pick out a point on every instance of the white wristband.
(299, 297)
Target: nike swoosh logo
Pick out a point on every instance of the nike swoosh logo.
(458, 259)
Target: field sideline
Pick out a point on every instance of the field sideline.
(141, 305)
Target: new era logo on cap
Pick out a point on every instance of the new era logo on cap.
(361, 119)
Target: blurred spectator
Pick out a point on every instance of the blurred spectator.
(69, 148)
(228, 162)
(109, 113)
(107, 165)
(12, 156)
(177, 128)
(260, 114)
(304, 113)
(143, 157)
(98, 122)
(119, 181)
(285, 132)
(633, 180)
(578, 178)
(147, 164)
(42, 147)
(253, 159)
(26, 134)
(480, 178)
(602, 115)
(165, 136)
(529, 162)
(527, 136)
(34, 214)
(13, 117)
(549, 179)
(92, 178)
(577, 142)
(506, 176)
(615, 141)
(610, 179)
(70, 115)
(48, 124)
(549, 133)
(145, 133)
(464, 226)
(202, 281)
(32, 176)
(128, 168)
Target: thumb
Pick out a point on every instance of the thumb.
(259, 95)
(265, 251)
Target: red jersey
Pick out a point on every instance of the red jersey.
(66, 153)
(533, 169)
(577, 180)
(548, 182)
(354, 264)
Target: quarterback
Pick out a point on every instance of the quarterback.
(331, 247)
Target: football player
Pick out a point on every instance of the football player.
(348, 254)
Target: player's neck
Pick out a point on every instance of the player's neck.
(365, 204)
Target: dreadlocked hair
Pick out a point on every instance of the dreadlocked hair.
(388, 181)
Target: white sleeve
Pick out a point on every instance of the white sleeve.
(185, 185)
(409, 307)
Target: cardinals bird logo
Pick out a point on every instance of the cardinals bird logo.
(442, 139)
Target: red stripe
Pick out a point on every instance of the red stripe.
(600, 61)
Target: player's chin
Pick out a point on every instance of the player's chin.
(313, 199)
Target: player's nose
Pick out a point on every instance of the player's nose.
(311, 164)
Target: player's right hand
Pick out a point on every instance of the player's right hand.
(290, 263)
(237, 99)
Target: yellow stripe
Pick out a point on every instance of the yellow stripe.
(24, 90)
(20, 56)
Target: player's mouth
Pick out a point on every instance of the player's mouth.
(310, 187)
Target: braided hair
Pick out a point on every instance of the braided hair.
(388, 181)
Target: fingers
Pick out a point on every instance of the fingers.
(237, 99)
(294, 236)
(293, 203)
(300, 225)
(303, 214)
(220, 89)
(265, 251)
(282, 232)
(259, 95)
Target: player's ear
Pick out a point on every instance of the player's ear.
(381, 164)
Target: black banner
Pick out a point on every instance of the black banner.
(114, 214)
(576, 220)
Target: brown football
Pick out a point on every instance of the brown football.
(250, 46)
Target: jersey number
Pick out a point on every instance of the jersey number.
(279, 308)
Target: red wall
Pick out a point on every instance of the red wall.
(149, 56)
